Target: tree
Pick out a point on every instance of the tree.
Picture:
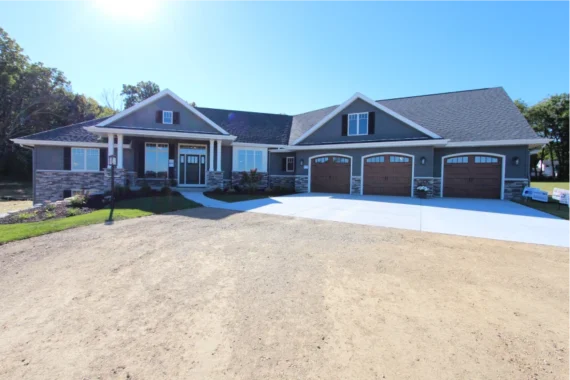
(139, 92)
(549, 119)
(111, 100)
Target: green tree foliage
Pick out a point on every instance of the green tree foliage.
(34, 98)
(139, 92)
(549, 118)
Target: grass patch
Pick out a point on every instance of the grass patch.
(132, 208)
(549, 186)
(552, 207)
(237, 197)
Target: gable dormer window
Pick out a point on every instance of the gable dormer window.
(167, 117)
(358, 124)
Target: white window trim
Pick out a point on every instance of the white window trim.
(85, 160)
(171, 117)
(358, 116)
(167, 167)
(236, 151)
(292, 158)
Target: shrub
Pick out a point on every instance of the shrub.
(173, 182)
(218, 190)
(73, 211)
(237, 189)
(78, 200)
(25, 216)
(145, 190)
(50, 206)
(251, 180)
(166, 190)
(96, 201)
(232, 190)
(268, 189)
(49, 215)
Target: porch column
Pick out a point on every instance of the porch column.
(219, 158)
(110, 148)
(119, 151)
(211, 166)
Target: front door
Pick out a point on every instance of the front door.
(192, 169)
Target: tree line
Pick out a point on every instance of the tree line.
(549, 118)
(35, 98)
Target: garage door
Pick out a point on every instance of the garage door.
(472, 176)
(387, 174)
(330, 174)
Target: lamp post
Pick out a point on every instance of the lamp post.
(113, 164)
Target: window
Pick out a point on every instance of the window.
(340, 160)
(376, 159)
(167, 117)
(290, 166)
(399, 159)
(486, 160)
(458, 160)
(321, 160)
(248, 159)
(85, 159)
(358, 124)
(156, 160)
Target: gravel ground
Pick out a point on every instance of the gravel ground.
(9, 206)
(209, 294)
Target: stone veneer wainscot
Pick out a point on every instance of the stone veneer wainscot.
(50, 184)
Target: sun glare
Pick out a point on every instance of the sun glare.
(127, 9)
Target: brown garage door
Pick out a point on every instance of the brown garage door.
(387, 174)
(472, 176)
(330, 174)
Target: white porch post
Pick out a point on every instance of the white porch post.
(110, 148)
(119, 151)
(211, 166)
(219, 158)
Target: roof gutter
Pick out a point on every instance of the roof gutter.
(464, 144)
(76, 144)
(103, 131)
(381, 144)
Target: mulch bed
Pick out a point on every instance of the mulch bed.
(53, 211)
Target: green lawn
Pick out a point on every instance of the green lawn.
(132, 208)
(551, 207)
(233, 197)
(549, 186)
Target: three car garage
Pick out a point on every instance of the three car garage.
(469, 175)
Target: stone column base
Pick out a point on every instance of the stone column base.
(120, 178)
(514, 189)
(429, 182)
(356, 185)
(214, 180)
(301, 183)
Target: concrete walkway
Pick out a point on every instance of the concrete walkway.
(492, 219)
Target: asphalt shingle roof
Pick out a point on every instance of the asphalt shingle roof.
(475, 115)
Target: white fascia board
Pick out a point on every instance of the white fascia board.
(368, 100)
(142, 132)
(155, 97)
(256, 145)
(384, 144)
(77, 144)
(461, 144)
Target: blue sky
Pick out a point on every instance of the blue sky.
(296, 57)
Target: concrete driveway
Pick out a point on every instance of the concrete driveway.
(492, 219)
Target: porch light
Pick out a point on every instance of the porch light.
(301, 162)
(516, 161)
(113, 160)
(423, 160)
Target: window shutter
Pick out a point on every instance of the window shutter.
(176, 118)
(159, 116)
(344, 125)
(67, 158)
(284, 164)
(103, 158)
(172, 156)
(371, 121)
(141, 160)
(66, 193)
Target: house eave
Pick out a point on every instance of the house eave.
(530, 142)
(77, 144)
(380, 144)
(102, 131)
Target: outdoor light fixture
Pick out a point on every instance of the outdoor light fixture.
(302, 162)
(113, 160)
(516, 161)
(423, 160)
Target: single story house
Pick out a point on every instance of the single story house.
(472, 144)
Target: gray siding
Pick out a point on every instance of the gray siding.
(386, 127)
(145, 118)
(227, 157)
(419, 152)
(275, 163)
(511, 170)
(49, 157)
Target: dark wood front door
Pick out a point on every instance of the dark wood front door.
(472, 176)
(330, 174)
(192, 169)
(387, 174)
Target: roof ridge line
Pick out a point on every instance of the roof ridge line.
(440, 93)
(262, 113)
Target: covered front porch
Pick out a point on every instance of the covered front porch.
(175, 159)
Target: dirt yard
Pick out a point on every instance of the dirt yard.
(7, 206)
(207, 294)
